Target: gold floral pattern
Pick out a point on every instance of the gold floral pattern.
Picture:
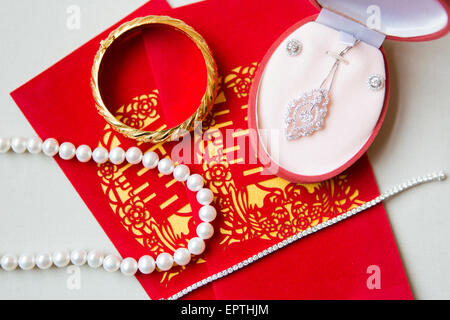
(285, 209)
(107, 170)
(135, 213)
(240, 79)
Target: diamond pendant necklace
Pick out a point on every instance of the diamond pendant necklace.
(306, 114)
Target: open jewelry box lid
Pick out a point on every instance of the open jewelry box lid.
(407, 20)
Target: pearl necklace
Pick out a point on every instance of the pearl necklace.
(128, 266)
(146, 264)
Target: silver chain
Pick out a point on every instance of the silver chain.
(437, 176)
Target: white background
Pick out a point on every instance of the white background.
(40, 210)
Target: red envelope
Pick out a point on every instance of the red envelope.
(155, 79)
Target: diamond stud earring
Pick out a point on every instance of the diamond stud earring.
(375, 82)
(293, 47)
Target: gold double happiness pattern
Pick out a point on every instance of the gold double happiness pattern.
(267, 210)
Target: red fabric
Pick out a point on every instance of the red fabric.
(255, 211)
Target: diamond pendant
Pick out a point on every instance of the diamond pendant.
(305, 115)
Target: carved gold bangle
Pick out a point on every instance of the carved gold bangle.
(206, 102)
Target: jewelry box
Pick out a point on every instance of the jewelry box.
(321, 92)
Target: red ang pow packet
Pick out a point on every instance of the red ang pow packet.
(154, 81)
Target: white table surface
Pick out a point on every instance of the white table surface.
(40, 209)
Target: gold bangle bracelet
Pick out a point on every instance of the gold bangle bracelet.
(207, 99)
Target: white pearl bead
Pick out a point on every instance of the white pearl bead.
(111, 263)
(34, 145)
(196, 246)
(182, 256)
(100, 155)
(67, 151)
(117, 155)
(61, 258)
(205, 196)
(27, 261)
(181, 172)
(205, 230)
(129, 266)
(134, 155)
(78, 257)
(44, 260)
(84, 153)
(195, 182)
(150, 160)
(94, 258)
(146, 264)
(19, 144)
(50, 147)
(5, 144)
(165, 166)
(164, 261)
(207, 213)
(8, 262)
